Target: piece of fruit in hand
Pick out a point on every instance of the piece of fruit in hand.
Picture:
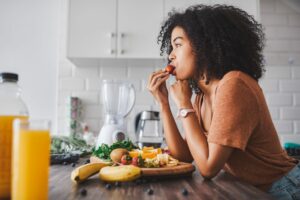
(170, 69)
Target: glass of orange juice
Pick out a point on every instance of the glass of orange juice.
(31, 159)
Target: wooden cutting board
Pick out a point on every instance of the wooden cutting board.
(181, 169)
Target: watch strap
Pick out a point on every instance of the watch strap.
(187, 110)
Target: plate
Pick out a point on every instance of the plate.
(182, 168)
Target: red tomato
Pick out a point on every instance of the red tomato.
(126, 159)
(170, 69)
(135, 161)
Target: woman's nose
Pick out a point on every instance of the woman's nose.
(171, 56)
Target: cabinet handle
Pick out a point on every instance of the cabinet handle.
(112, 36)
(122, 35)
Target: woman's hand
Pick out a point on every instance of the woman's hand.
(157, 86)
(181, 94)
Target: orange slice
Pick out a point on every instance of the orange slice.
(147, 148)
(133, 154)
(149, 155)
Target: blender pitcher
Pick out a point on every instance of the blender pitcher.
(118, 101)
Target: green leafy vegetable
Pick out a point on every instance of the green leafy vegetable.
(104, 150)
(64, 145)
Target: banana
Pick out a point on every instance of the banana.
(119, 173)
(82, 172)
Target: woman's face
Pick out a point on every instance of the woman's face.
(182, 55)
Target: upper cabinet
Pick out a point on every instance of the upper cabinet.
(92, 28)
(114, 29)
(126, 28)
(138, 27)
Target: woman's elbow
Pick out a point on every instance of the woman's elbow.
(208, 173)
(208, 176)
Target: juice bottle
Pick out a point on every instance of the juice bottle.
(11, 107)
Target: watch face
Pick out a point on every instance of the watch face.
(183, 113)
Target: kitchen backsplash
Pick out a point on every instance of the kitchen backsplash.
(281, 82)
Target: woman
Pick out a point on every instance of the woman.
(217, 51)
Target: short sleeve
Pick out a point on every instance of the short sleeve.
(236, 114)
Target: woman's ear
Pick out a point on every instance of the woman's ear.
(204, 78)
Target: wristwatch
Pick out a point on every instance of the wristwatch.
(183, 112)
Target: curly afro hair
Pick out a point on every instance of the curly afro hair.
(224, 38)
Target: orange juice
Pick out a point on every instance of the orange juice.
(5, 153)
(31, 159)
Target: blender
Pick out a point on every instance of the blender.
(118, 100)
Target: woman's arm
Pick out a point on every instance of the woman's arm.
(176, 144)
(210, 158)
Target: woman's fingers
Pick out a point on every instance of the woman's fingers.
(154, 74)
(157, 79)
(160, 81)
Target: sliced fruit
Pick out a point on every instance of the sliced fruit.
(158, 151)
(147, 148)
(83, 172)
(149, 155)
(119, 173)
(135, 153)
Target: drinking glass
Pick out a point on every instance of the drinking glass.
(31, 159)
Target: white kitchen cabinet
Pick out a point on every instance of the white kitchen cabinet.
(114, 28)
(250, 6)
(126, 28)
(139, 23)
(92, 28)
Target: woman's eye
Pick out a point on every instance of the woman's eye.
(177, 45)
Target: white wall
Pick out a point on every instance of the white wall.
(29, 46)
(281, 19)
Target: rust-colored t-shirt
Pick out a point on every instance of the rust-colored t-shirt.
(241, 120)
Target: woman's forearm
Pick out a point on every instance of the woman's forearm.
(198, 146)
(195, 138)
(176, 144)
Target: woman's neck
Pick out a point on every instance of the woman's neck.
(208, 89)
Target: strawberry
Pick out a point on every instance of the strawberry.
(170, 69)
(135, 161)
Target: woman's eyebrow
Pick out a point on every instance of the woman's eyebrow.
(179, 37)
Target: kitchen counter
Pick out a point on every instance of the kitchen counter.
(223, 186)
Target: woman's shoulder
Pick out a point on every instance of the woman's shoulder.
(238, 79)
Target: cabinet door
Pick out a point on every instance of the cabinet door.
(92, 28)
(139, 23)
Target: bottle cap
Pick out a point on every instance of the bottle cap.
(10, 77)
